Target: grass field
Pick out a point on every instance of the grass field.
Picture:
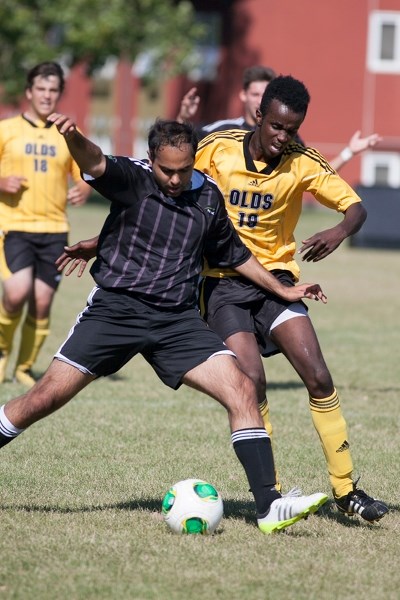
(80, 492)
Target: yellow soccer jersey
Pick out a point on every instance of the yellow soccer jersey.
(38, 153)
(264, 202)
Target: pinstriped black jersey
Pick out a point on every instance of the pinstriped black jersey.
(264, 201)
(152, 245)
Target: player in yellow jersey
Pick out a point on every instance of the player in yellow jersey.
(35, 168)
(263, 175)
(254, 82)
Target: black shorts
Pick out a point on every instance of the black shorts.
(234, 304)
(19, 249)
(115, 326)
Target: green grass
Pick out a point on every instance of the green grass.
(80, 491)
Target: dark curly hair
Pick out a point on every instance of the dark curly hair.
(288, 90)
(171, 133)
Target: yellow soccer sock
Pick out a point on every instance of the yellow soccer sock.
(34, 333)
(264, 410)
(8, 325)
(332, 430)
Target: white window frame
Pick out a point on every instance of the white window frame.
(371, 160)
(376, 64)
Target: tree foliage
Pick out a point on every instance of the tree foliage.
(70, 31)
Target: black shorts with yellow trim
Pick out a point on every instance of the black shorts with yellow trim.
(20, 249)
(115, 326)
(234, 304)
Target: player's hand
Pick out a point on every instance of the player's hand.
(321, 244)
(65, 125)
(12, 184)
(76, 195)
(358, 144)
(189, 105)
(77, 255)
(312, 291)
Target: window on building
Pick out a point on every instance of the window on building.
(383, 54)
(381, 168)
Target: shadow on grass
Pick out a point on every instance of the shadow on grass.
(233, 509)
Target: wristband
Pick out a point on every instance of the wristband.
(346, 154)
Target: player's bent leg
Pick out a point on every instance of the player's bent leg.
(220, 378)
(8, 324)
(59, 384)
(245, 347)
(34, 331)
(298, 341)
(33, 335)
(15, 292)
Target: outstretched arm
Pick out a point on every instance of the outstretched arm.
(87, 155)
(77, 255)
(253, 270)
(323, 243)
(356, 145)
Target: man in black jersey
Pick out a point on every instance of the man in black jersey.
(164, 218)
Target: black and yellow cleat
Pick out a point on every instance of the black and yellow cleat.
(358, 502)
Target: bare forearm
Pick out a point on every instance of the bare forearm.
(354, 219)
(87, 155)
(253, 270)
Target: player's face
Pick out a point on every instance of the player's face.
(44, 95)
(251, 99)
(173, 168)
(277, 128)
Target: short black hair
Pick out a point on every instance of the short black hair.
(288, 90)
(171, 133)
(45, 69)
(257, 73)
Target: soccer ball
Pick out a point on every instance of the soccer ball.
(192, 506)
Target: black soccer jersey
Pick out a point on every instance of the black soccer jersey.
(152, 245)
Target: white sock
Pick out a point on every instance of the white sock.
(6, 427)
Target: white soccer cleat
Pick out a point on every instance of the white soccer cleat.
(287, 510)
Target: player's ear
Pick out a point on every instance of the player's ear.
(242, 95)
(258, 117)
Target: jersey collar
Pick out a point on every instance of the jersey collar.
(250, 165)
(33, 124)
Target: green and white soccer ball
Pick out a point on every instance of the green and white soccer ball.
(192, 506)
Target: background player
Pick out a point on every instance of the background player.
(35, 166)
(263, 175)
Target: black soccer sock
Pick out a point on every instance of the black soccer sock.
(253, 449)
(7, 430)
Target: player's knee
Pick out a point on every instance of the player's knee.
(320, 381)
(245, 399)
(258, 379)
